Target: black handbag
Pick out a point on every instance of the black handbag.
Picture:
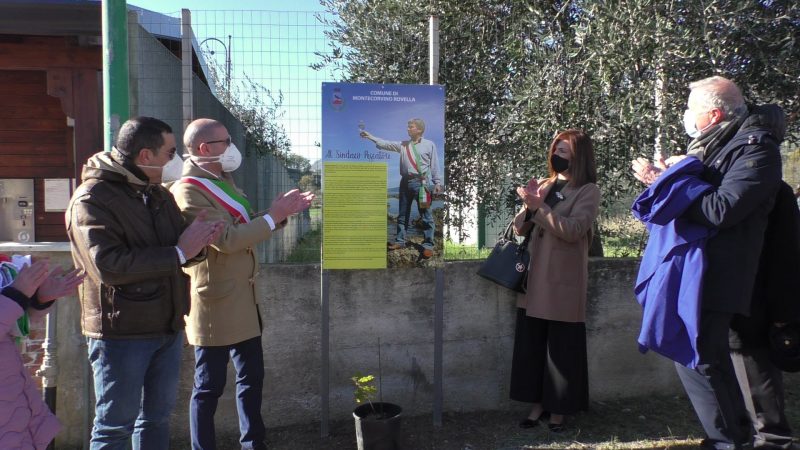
(507, 265)
(784, 346)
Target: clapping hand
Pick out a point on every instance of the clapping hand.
(531, 194)
(289, 204)
(30, 277)
(59, 284)
(199, 234)
(647, 172)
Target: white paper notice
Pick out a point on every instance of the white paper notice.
(56, 194)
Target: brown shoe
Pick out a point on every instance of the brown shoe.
(427, 253)
(395, 246)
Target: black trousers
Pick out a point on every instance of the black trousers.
(713, 388)
(549, 364)
(762, 386)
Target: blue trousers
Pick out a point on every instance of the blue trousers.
(135, 386)
(211, 364)
(409, 191)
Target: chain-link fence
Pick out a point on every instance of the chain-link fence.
(261, 61)
(251, 71)
(260, 73)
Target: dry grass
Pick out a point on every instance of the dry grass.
(657, 422)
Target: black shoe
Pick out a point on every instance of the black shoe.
(529, 423)
(556, 427)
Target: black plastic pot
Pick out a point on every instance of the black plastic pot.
(378, 426)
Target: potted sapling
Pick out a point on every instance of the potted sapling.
(377, 422)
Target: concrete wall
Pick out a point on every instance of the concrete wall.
(155, 79)
(396, 308)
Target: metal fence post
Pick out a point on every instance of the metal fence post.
(433, 50)
(324, 379)
(186, 67)
(116, 108)
(438, 319)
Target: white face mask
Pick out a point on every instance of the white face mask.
(231, 159)
(690, 125)
(170, 171)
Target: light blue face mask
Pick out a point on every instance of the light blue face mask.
(690, 125)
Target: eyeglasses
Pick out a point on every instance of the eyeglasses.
(227, 141)
(171, 152)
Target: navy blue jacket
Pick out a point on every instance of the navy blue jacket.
(745, 173)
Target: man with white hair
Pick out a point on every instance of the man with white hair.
(740, 151)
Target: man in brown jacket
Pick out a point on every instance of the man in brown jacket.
(224, 321)
(128, 235)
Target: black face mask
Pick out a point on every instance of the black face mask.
(559, 164)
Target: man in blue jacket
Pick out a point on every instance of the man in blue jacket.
(740, 151)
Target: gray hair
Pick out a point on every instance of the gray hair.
(719, 92)
(419, 123)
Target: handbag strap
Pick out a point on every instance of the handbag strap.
(509, 234)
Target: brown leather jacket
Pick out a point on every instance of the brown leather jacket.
(123, 233)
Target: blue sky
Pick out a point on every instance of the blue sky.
(171, 6)
(272, 43)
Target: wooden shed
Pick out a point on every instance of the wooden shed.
(50, 97)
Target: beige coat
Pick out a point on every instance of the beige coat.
(224, 305)
(559, 247)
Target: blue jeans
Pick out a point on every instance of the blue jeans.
(210, 370)
(135, 386)
(409, 193)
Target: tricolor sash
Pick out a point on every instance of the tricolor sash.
(235, 204)
(423, 194)
(415, 161)
(412, 161)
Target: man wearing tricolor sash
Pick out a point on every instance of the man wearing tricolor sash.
(420, 172)
(224, 321)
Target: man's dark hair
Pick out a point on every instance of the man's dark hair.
(141, 132)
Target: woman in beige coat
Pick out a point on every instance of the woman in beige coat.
(549, 367)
